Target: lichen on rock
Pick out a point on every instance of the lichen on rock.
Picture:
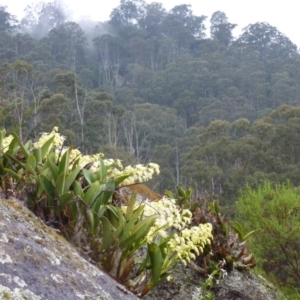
(38, 263)
(238, 285)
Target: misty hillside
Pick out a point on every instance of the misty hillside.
(149, 85)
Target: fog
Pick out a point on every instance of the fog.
(283, 15)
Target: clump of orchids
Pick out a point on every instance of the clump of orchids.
(136, 174)
(172, 223)
(62, 183)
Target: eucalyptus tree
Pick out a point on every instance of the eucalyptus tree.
(267, 41)
(221, 29)
(68, 43)
(153, 18)
(284, 89)
(183, 26)
(53, 111)
(8, 22)
(41, 17)
(127, 13)
(78, 97)
(149, 125)
(109, 50)
(15, 92)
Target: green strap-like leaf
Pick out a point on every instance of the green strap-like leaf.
(139, 232)
(115, 215)
(102, 170)
(71, 177)
(91, 220)
(128, 229)
(92, 193)
(238, 229)
(130, 205)
(2, 136)
(23, 149)
(74, 210)
(64, 181)
(47, 185)
(65, 199)
(105, 194)
(89, 176)
(131, 219)
(12, 173)
(64, 162)
(169, 194)
(12, 158)
(38, 155)
(107, 237)
(156, 263)
(50, 162)
(248, 235)
(46, 147)
(60, 183)
(31, 164)
(77, 189)
(120, 179)
(180, 191)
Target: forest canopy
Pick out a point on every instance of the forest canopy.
(216, 111)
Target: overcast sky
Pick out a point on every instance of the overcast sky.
(282, 14)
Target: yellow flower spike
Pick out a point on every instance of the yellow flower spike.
(185, 233)
(192, 255)
(177, 239)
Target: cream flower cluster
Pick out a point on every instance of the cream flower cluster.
(140, 173)
(75, 153)
(185, 244)
(86, 159)
(169, 216)
(136, 174)
(6, 142)
(190, 242)
(57, 142)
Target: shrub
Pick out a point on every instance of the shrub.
(274, 211)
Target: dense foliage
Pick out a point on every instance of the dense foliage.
(75, 194)
(274, 211)
(218, 112)
(138, 243)
(150, 85)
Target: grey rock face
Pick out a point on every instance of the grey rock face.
(37, 263)
(235, 286)
(245, 286)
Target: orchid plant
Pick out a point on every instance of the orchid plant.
(74, 192)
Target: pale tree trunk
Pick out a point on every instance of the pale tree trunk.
(19, 103)
(177, 166)
(112, 130)
(127, 125)
(131, 133)
(104, 53)
(36, 105)
(135, 142)
(80, 110)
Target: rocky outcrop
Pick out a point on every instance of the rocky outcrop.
(244, 285)
(37, 263)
